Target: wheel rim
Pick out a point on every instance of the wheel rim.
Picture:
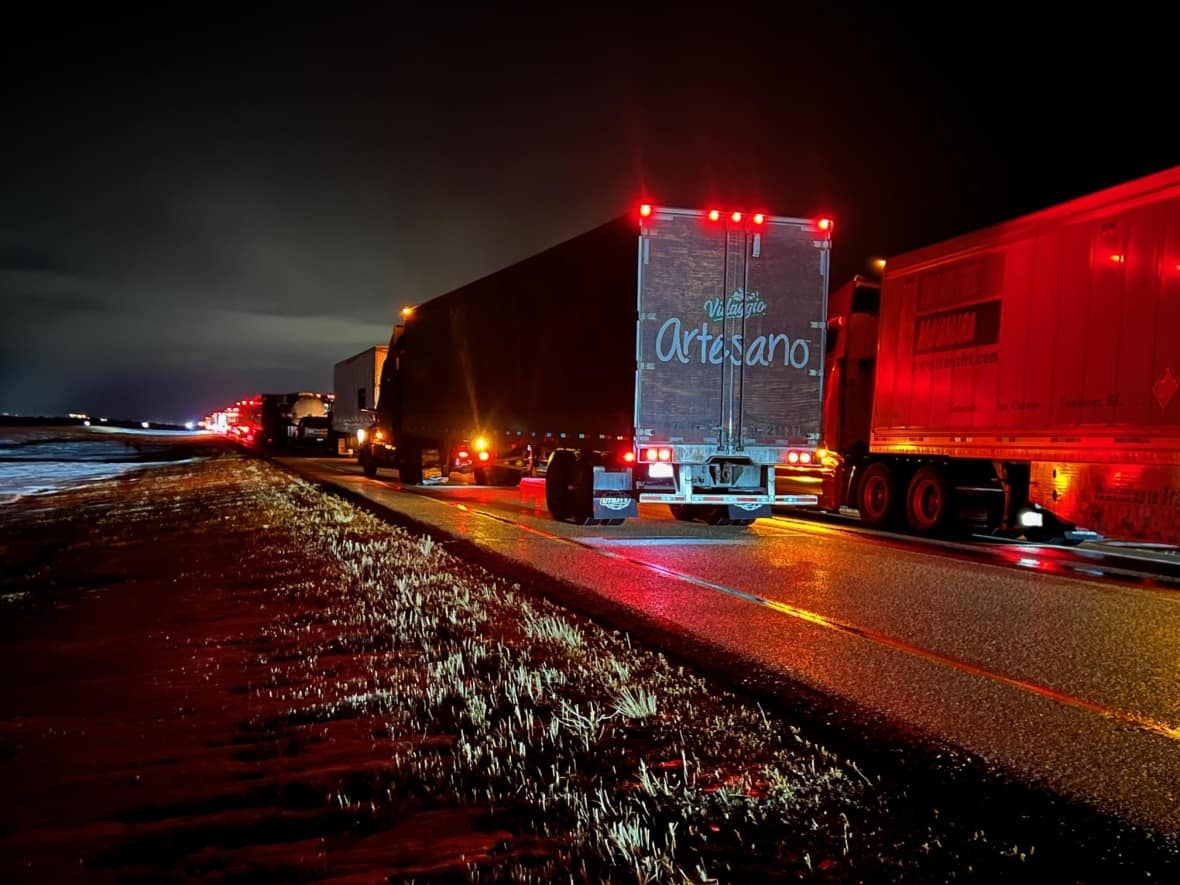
(876, 496)
(926, 503)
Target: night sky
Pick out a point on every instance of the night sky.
(197, 209)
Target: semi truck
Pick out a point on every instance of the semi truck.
(670, 355)
(300, 418)
(1025, 377)
(356, 382)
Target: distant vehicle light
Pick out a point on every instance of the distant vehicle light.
(759, 218)
(824, 224)
(378, 435)
(737, 217)
(144, 424)
(463, 454)
(805, 457)
(660, 471)
(645, 210)
(792, 457)
(188, 425)
(485, 455)
(714, 214)
(480, 444)
(407, 311)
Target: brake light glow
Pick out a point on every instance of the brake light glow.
(759, 218)
(737, 217)
(654, 454)
(484, 455)
(645, 210)
(480, 444)
(629, 457)
(824, 224)
(714, 215)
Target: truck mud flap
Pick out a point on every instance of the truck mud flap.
(613, 495)
(742, 512)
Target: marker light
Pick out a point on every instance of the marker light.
(824, 224)
(737, 217)
(1117, 258)
(629, 457)
(714, 215)
(759, 218)
(645, 210)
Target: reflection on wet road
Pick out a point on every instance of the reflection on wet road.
(1063, 680)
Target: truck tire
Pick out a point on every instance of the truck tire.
(877, 497)
(683, 512)
(582, 494)
(928, 500)
(409, 468)
(558, 477)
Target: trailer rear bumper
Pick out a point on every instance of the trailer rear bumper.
(737, 500)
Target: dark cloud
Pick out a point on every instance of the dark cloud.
(240, 198)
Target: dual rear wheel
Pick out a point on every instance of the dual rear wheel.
(926, 506)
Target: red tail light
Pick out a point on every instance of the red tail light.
(645, 210)
(759, 218)
(628, 457)
(462, 453)
(714, 215)
(654, 454)
(825, 224)
(792, 457)
(737, 217)
(484, 456)
(805, 457)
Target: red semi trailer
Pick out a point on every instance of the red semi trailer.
(1026, 376)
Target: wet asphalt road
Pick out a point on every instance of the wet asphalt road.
(1064, 682)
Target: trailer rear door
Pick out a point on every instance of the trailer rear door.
(730, 335)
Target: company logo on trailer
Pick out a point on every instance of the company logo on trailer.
(749, 305)
(674, 342)
(974, 326)
(1165, 388)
